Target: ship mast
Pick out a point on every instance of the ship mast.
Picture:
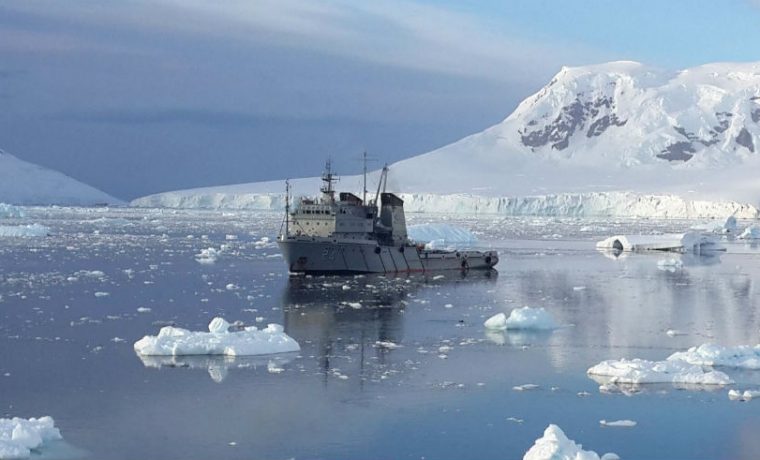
(287, 208)
(364, 188)
(328, 178)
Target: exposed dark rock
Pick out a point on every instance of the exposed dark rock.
(601, 125)
(572, 118)
(745, 139)
(678, 151)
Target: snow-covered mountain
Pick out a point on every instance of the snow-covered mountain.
(621, 127)
(26, 183)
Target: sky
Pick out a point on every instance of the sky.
(137, 97)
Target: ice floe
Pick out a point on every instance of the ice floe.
(9, 211)
(641, 371)
(751, 233)
(19, 437)
(618, 423)
(525, 318)
(555, 445)
(691, 242)
(669, 265)
(726, 225)
(708, 354)
(24, 231)
(172, 341)
(746, 395)
(208, 255)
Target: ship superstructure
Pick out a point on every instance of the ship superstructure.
(354, 235)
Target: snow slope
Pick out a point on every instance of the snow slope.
(26, 183)
(618, 139)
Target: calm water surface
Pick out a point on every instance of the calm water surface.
(446, 391)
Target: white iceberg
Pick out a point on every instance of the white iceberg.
(746, 395)
(751, 233)
(618, 423)
(24, 231)
(208, 255)
(439, 236)
(554, 445)
(18, 436)
(525, 318)
(175, 341)
(8, 211)
(708, 354)
(640, 371)
(727, 225)
(691, 242)
(669, 265)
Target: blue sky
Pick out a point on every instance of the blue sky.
(137, 96)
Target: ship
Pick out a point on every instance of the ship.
(346, 234)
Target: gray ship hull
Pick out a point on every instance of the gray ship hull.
(320, 255)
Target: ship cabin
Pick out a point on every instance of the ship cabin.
(345, 218)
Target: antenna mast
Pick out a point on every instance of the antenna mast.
(364, 188)
(287, 207)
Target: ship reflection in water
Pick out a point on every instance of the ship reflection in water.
(347, 322)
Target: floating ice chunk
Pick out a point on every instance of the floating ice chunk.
(618, 423)
(554, 445)
(674, 332)
(102, 294)
(8, 211)
(639, 371)
(530, 318)
(670, 264)
(18, 436)
(751, 233)
(143, 310)
(747, 395)
(387, 344)
(525, 387)
(441, 235)
(208, 255)
(677, 242)
(727, 225)
(24, 231)
(708, 354)
(173, 341)
(496, 322)
(579, 288)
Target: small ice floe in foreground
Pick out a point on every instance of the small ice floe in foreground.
(525, 318)
(618, 423)
(172, 341)
(19, 437)
(387, 344)
(554, 445)
(208, 255)
(526, 387)
(24, 231)
(639, 371)
(674, 332)
(669, 265)
(747, 395)
(751, 233)
(690, 242)
(143, 310)
(708, 354)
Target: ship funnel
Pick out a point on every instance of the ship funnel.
(392, 216)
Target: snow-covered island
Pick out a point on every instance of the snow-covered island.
(614, 139)
(25, 183)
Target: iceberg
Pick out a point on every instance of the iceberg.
(18, 436)
(175, 341)
(525, 318)
(555, 445)
(8, 211)
(641, 371)
(24, 231)
(750, 233)
(727, 225)
(708, 354)
(691, 242)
